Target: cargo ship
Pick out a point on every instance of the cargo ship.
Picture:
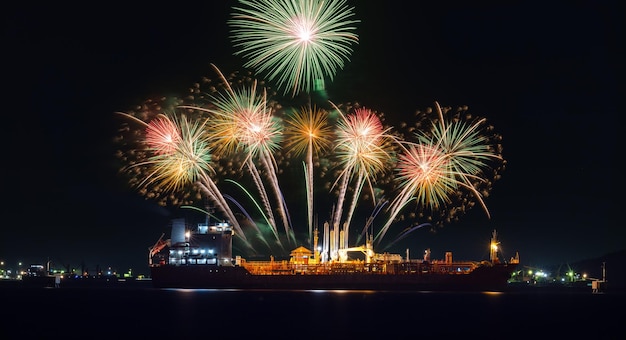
(37, 276)
(202, 258)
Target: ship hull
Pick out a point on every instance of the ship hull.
(203, 259)
(485, 278)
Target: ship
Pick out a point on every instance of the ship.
(202, 258)
(37, 276)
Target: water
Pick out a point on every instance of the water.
(138, 310)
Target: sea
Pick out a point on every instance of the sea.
(136, 310)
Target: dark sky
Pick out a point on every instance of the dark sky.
(545, 74)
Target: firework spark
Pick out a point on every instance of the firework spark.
(162, 136)
(294, 43)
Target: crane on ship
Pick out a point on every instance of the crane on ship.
(367, 249)
(157, 247)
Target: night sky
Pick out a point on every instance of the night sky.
(545, 74)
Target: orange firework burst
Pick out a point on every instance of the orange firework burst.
(308, 130)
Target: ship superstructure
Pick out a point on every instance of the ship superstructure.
(208, 244)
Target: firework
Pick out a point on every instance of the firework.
(146, 132)
(242, 120)
(442, 166)
(447, 160)
(362, 151)
(295, 44)
(178, 159)
(308, 131)
(218, 141)
(178, 156)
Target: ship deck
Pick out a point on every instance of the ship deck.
(361, 267)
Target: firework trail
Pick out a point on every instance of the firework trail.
(294, 43)
(258, 182)
(406, 233)
(205, 212)
(252, 223)
(258, 207)
(370, 220)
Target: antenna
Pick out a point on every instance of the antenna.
(210, 211)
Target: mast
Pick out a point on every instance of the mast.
(316, 252)
(493, 254)
(210, 211)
